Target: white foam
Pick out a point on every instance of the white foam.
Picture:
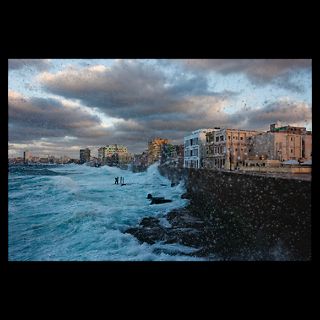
(86, 214)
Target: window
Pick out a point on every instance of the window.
(221, 138)
(241, 138)
(229, 137)
(291, 150)
(190, 142)
(236, 149)
(291, 139)
(241, 149)
(217, 139)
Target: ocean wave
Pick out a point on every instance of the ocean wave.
(76, 212)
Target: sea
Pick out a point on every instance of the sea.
(77, 213)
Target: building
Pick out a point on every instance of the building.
(44, 160)
(35, 159)
(27, 156)
(111, 152)
(282, 143)
(111, 149)
(140, 162)
(172, 154)
(84, 155)
(114, 155)
(277, 127)
(227, 148)
(195, 148)
(154, 149)
(124, 158)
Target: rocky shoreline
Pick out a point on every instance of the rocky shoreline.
(236, 218)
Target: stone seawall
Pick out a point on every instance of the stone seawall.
(249, 215)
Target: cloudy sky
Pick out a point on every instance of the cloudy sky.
(59, 106)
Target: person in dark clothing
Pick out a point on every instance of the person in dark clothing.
(116, 180)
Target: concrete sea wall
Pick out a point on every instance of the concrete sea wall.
(250, 214)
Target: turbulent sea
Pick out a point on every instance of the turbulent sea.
(76, 212)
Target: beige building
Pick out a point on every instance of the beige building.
(282, 143)
(154, 149)
(227, 148)
(105, 153)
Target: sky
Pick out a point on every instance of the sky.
(58, 106)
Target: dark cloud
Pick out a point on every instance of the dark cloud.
(129, 90)
(258, 71)
(35, 118)
(286, 111)
(148, 102)
(39, 64)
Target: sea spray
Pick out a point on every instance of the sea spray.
(76, 212)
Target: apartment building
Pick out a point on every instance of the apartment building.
(195, 148)
(227, 148)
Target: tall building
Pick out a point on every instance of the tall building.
(155, 147)
(173, 154)
(195, 148)
(84, 155)
(112, 152)
(227, 147)
(282, 143)
(27, 156)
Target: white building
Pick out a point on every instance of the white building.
(195, 148)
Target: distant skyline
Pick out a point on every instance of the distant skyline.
(60, 106)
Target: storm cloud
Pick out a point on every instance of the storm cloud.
(258, 71)
(34, 118)
(39, 64)
(285, 110)
(143, 100)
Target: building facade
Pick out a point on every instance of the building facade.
(172, 154)
(111, 153)
(283, 144)
(155, 147)
(195, 148)
(227, 148)
(27, 156)
(84, 155)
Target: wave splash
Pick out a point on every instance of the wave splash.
(76, 212)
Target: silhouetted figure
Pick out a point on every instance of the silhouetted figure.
(116, 180)
(157, 200)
